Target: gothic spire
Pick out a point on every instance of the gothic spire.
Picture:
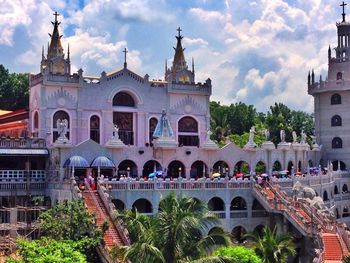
(55, 49)
(179, 61)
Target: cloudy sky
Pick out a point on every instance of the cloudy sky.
(258, 52)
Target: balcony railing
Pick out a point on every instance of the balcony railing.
(179, 184)
(219, 214)
(238, 214)
(22, 143)
(20, 175)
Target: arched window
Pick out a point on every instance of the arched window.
(336, 120)
(36, 124)
(337, 143)
(95, 128)
(335, 99)
(188, 132)
(123, 99)
(59, 115)
(339, 76)
(152, 126)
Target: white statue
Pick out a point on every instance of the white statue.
(62, 126)
(295, 137)
(209, 133)
(267, 135)
(313, 138)
(303, 137)
(283, 136)
(115, 132)
(251, 134)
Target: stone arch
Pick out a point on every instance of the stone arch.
(335, 165)
(216, 230)
(199, 169)
(123, 99)
(238, 203)
(60, 115)
(132, 92)
(260, 167)
(336, 121)
(257, 205)
(119, 204)
(221, 167)
(188, 131)
(127, 168)
(152, 124)
(151, 166)
(337, 143)
(335, 99)
(95, 128)
(242, 167)
(336, 190)
(143, 206)
(325, 196)
(238, 233)
(176, 169)
(345, 212)
(259, 230)
(345, 188)
(339, 75)
(277, 166)
(216, 204)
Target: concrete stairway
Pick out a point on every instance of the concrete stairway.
(307, 221)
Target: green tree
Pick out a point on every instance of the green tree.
(219, 121)
(176, 234)
(271, 247)
(279, 118)
(48, 250)
(14, 90)
(238, 254)
(71, 221)
(241, 117)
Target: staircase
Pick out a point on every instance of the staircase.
(306, 220)
(115, 234)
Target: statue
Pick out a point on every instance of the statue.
(313, 138)
(294, 135)
(163, 128)
(209, 133)
(283, 136)
(251, 134)
(267, 135)
(303, 137)
(62, 126)
(115, 132)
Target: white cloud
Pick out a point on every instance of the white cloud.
(194, 42)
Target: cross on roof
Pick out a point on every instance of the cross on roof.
(125, 51)
(56, 15)
(343, 14)
(179, 30)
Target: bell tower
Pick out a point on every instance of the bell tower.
(55, 61)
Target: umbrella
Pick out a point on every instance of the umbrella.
(264, 175)
(216, 174)
(239, 175)
(151, 175)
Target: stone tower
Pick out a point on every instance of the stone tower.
(331, 100)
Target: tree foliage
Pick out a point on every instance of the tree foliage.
(14, 90)
(48, 250)
(238, 254)
(271, 247)
(178, 233)
(234, 122)
(71, 221)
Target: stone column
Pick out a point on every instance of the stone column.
(140, 133)
(188, 172)
(227, 210)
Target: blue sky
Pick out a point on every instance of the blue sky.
(258, 52)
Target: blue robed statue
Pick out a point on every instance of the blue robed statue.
(163, 128)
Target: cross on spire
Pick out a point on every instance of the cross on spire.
(343, 14)
(125, 51)
(56, 15)
(179, 30)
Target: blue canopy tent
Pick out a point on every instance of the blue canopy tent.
(76, 161)
(102, 162)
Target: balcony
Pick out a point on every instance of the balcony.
(29, 143)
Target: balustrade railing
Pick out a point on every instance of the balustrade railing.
(20, 175)
(219, 214)
(22, 143)
(181, 184)
(238, 214)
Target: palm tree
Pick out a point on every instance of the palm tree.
(271, 247)
(178, 233)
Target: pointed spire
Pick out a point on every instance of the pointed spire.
(192, 65)
(309, 79)
(179, 61)
(329, 53)
(42, 53)
(166, 67)
(312, 77)
(55, 49)
(68, 53)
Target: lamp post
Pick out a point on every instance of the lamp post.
(128, 171)
(180, 169)
(226, 172)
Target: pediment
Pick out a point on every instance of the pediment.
(187, 105)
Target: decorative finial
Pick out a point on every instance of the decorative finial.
(56, 15)
(42, 52)
(192, 65)
(179, 32)
(68, 53)
(343, 14)
(125, 51)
